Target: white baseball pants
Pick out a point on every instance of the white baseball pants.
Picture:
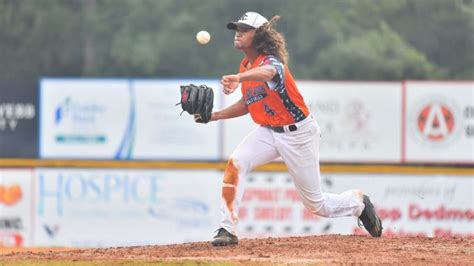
(300, 151)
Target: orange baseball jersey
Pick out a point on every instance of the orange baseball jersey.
(276, 102)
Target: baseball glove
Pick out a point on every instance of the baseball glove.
(197, 101)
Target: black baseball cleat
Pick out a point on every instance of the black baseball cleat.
(370, 220)
(224, 238)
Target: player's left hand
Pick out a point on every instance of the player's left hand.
(197, 101)
(230, 83)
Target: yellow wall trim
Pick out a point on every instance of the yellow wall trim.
(274, 167)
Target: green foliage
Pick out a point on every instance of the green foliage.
(338, 39)
(374, 54)
(442, 30)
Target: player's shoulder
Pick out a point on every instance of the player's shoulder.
(271, 60)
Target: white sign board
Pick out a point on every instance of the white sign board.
(440, 121)
(360, 121)
(161, 133)
(102, 207)
(15, 207)
(82, 118)
(122, 119)
(408, 205)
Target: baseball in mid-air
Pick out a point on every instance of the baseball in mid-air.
(203, 37)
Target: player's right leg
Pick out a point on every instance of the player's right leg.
(300, 151)
(369, 218)
(256, 149)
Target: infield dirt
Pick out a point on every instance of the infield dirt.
(328, 249)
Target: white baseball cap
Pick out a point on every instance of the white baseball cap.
(249, 20)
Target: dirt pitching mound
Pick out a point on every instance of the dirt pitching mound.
(328, 249)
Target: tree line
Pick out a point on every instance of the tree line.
(330, 40)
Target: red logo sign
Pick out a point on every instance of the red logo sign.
(10, 239)
(9, 195)
(435, 122)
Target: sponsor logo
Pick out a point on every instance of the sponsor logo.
(51, 231)
(95, 193)
(10, 195)
(435, 121)
(346, 126)
(416, 212)
(356, 116)
(8, 239)
(84, 116)
(106, 195)
(255, 94)
(78, 112)
(12, 113)
(11, 223)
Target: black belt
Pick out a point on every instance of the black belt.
(282, 129)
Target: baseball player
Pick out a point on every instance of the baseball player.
(286, 130)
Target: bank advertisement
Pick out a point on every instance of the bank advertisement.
(120, 207)
(85, 118)
(409, 205)
(122, 120)
(440, 121)
(18, 120)
(15, 207)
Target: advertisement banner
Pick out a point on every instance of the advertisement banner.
(104, 207)
(440, 121)
(271, 207)
(84, 119)
(360, 121)
(15, 207)
(18, 120)
(122, 119)
(161, 133)
(409, 205)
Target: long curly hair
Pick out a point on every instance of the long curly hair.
(268, 41)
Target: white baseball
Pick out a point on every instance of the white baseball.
(203, 37)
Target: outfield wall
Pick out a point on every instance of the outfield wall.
(364, 122)
(101, 207)
(118, 166)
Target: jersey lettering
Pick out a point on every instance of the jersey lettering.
(268, 110)
(255, 94)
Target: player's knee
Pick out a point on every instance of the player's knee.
(234, 163)
(232, 172)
